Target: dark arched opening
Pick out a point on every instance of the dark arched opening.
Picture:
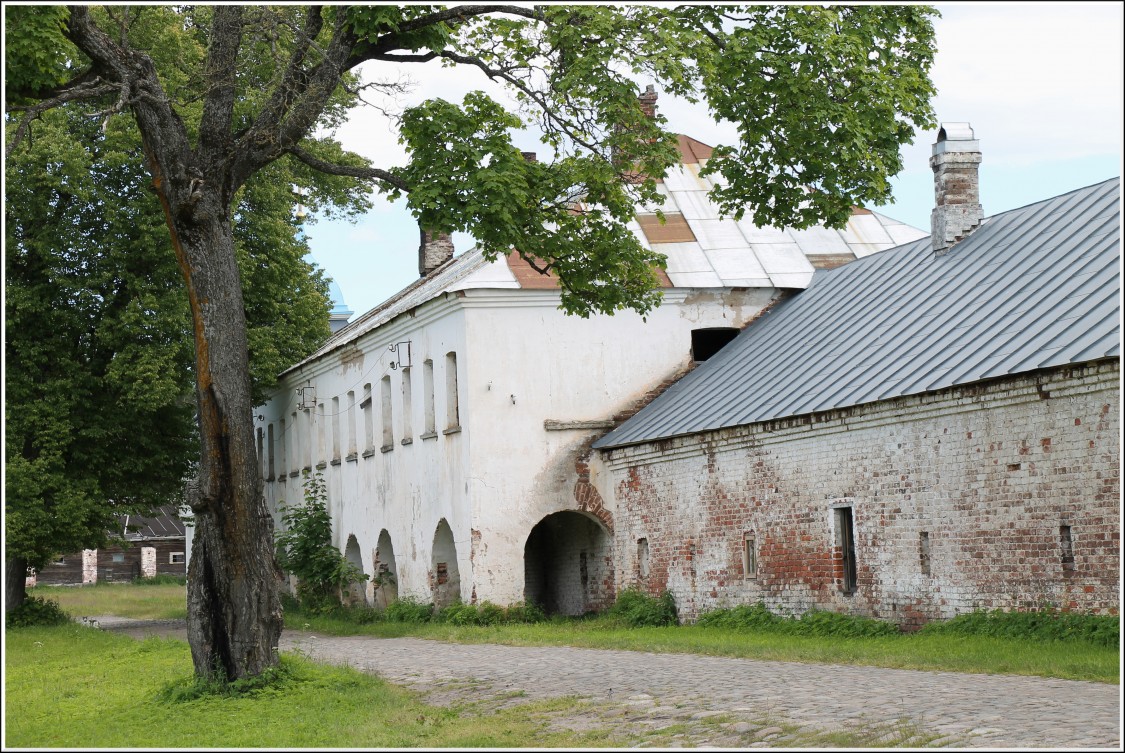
(385, 579)
(568, 565)
(445, 578)
(356, 592)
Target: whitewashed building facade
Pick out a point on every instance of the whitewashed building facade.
(453, 422)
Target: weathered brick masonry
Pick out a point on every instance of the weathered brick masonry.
(1003, 494)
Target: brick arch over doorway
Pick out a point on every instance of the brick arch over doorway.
(568, 564)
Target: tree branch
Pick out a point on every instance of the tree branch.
(219, 76)
(88, 89)
(389, 41)
(363, 173)
(535, 96)
(293, 81)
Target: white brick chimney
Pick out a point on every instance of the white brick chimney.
(957, 211)
(434, 250)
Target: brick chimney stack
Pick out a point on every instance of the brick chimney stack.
(434, 250)
(957, 210)
(648, 101)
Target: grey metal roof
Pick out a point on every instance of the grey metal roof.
(161, 523)
(1032, 288)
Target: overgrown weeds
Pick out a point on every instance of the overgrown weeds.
(1042, 625)
(757, 617)
(637, 609)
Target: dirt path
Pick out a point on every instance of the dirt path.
(674, 700)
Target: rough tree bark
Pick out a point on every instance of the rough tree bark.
(15, 583)
(234, 609)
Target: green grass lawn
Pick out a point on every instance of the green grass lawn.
(1073, 660)
(142, 602)
(75, 687)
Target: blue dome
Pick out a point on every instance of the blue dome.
(339, 308)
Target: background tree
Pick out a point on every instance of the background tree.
(823, 99)
(99, 403)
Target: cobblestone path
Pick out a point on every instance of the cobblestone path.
(727, 702)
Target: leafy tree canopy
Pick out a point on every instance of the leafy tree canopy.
(823, 98)
(100, 407)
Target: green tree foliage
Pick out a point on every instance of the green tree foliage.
(222, 96)
(305, 549)
(100, 401)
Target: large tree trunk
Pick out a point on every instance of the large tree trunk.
(234, 610)
(15, 583)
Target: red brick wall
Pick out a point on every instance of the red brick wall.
(989, 472)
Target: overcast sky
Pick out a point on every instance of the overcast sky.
(1040, 83)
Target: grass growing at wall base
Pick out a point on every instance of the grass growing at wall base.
(77, 687)
(990, 645)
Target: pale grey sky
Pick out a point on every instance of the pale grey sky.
(1041, 84)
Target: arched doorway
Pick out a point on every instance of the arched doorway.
(356, 592)
(445, 579)
(568, 564)
(385, 578)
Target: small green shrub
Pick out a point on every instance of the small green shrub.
(824, 623)
(1043, 625)
(457, 614)
(162, 580)
(305, 549)
(36, 612)
(637, 609)
(408, 609)
(743, 617)
(525, 613)
(490, 614)
(485, 613)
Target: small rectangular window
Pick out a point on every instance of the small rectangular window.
(845, 532)
(119, 557)
(1066, 544)
(295, 429)
(321, 418)
(642, 557)
(368, 422)
(176, 558)
(352, 449)
(269, 451)
(388, 430)
(283, 441)
(407, 406)
(428, 397)
(924, 551)
(452, 414)
(749, 555)
(336, 430)
(310, 438)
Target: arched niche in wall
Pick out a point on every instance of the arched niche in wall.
(385, 579)
(445, 579)
(356, 592)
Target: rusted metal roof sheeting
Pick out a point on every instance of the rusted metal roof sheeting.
(1032, 288)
